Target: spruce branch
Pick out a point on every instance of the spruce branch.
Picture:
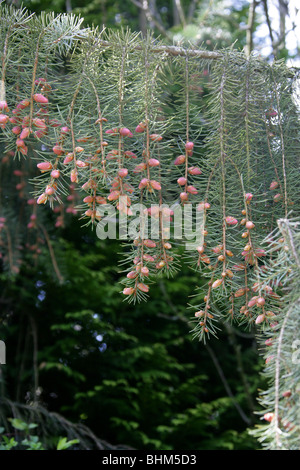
(182, 127)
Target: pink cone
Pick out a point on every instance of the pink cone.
(277, 197)
(192, 190)
(25, 133)
(131, 274)
(54, 123)
(42, 199)
(153, 162)
(144, 182)
(128, 291)
(248, 197)
(3, 119)
(184, 196)
(129, 154)
(189, 146)
(3, 105)
(194, 170)
(74, 176)
(274, 185)
(23, 104)
(149, 243)
(179, 160)
(50, 190)
(23, 150)
(81, 164)
(260, 319)
(182, 181)
(40, 133)
(113, 196)
(44, 166)
(58, 150)
(145, 271)
(112, 131)
(40, 81)
(143, 287)
(100, 200)
(88, 199)
(14, 120)
(230, 220)
(39, 98)
(68, 158)
(40, 123)
(155, 137)
(123, 172)
(16, 130)
(203, 205)
(252, 301)
(125, 132)
(250, 225)
(140, 167)
(55, 174)
(155, 185)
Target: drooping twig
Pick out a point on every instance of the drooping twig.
(226, 385)
(52, 255)
(240, 366)
(210, 351)
(35, 357)
(47, 420)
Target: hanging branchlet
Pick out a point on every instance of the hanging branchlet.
(149, 245)
(279, 341)
(240, 117)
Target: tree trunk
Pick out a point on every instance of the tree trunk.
(68, 6)
(143, 23)
(283, 11)
(176, 17)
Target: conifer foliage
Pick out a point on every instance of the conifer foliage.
(93, 120)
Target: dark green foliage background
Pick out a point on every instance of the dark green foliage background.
(146, 383)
